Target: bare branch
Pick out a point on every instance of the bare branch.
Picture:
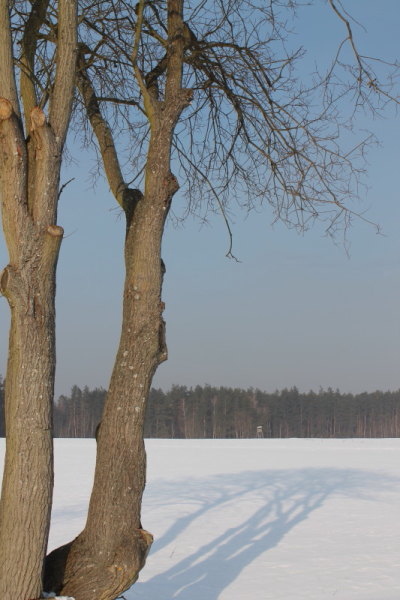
(150, 103)
(64, 185)
(102, 132)
(13, 161)
(61, 101)
(27, 61)
(222, 209)
(8, 88)
(367, 81)
(176, 45)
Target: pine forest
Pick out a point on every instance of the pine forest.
(221, 412)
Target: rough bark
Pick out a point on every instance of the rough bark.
(29, 188)
(28, 283)
(105, 559)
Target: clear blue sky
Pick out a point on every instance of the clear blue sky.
(295, 311)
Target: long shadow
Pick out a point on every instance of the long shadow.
(282, 499)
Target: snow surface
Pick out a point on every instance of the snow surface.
(256, 519)
(52, 595)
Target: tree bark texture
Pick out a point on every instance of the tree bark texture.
(28, 283)
(105, 559)
(29, 187)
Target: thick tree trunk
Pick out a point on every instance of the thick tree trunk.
(28, 283)
(29, 189)
(106, 558)
(28, 475)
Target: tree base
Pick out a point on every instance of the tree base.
(75, 570)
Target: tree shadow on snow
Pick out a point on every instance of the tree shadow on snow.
(278, 501)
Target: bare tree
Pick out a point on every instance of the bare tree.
(31, 146)
(213, 94)
(210, 91)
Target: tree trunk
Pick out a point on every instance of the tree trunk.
(105, 559)
(107, 556)
(28, 283)
(28, 474)
(29, 187)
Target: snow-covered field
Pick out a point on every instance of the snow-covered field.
(256, 519)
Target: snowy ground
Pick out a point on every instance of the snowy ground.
(256, 519)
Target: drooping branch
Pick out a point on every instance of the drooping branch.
(222, 210)
(253, 127)
(367, 83)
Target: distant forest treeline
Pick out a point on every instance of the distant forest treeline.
(210, 412)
